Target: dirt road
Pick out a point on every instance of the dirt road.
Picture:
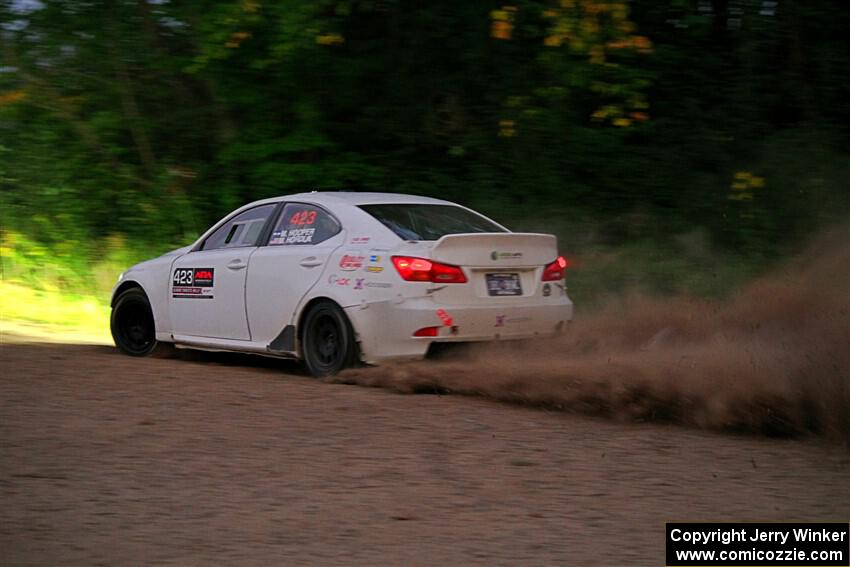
(107, 460)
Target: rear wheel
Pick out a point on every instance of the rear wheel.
(328, 340)
(132, 325)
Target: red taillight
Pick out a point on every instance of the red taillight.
(556, 270)
(427, 332)
(422, 270)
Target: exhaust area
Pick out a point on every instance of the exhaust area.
(773, 359)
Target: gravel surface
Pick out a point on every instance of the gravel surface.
(237, 460)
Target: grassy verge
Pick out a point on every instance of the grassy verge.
(61, 292)
(685, 264)
(52, 315)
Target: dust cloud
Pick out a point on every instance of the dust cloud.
(774, 359)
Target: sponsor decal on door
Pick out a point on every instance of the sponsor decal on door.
(193, 283)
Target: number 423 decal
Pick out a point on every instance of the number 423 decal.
(303, 217)
(194, 277)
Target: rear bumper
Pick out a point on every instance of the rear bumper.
(385, 329)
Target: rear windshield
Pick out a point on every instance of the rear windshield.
(429, 222)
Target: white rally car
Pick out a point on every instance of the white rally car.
(332, 278)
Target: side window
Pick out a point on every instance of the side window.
(303, 224)
(242, 230)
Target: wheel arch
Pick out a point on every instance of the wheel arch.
(125, 285)
(302, 315)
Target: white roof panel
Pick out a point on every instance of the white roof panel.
(356, 198)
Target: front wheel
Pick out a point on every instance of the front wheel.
(132, 325)
(328, 340)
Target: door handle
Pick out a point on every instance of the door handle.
(310, 262)
(237, 265)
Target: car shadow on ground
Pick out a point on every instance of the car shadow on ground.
(221, 358)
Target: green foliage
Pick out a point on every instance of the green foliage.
(84, 267)
(53, 315)
(684, 265)
(638, 121)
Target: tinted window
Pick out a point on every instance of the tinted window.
(303, 224)
(242, 230)
(429, 222)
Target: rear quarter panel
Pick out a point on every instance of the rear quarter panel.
(359, 272)
(358, 269)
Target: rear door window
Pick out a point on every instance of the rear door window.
(300, 223)
(429, 222)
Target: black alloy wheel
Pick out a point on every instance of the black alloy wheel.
(132, 323)
(328, 340)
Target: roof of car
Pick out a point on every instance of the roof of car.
(355, 198)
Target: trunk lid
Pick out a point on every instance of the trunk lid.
(501, 268)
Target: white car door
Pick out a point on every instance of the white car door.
(207, 288)
(280, 273)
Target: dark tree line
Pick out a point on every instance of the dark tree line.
(153, 118)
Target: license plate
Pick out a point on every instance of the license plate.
(503, 284)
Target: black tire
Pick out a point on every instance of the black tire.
(327, 342)
(132, 325)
